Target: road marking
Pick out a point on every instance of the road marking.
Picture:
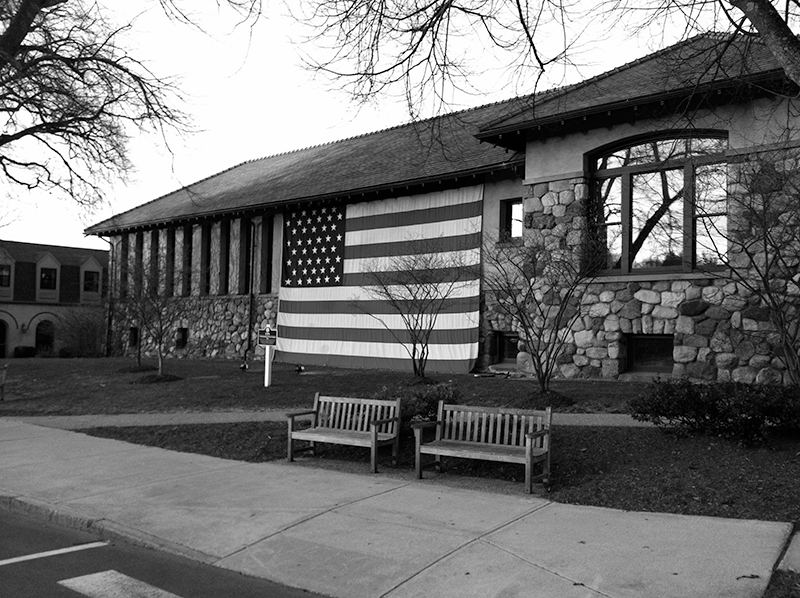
(41, 555)
(113, 584)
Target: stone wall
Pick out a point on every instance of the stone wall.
(218, 327)
(719, 329)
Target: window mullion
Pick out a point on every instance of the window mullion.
(625, 189)
(689, 224)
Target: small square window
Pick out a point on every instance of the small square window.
(511, 219)
(47, 279)
(5, 275)
(91, 281)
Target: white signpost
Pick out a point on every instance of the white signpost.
(267, 338)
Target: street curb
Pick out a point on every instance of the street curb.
(103, 528)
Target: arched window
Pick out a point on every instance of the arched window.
(660, 204)
(45, 335)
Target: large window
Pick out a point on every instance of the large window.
(661, 205)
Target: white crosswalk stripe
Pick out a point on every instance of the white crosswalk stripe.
(41, 555)
(113, 584)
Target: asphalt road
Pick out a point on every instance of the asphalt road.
(41, 560)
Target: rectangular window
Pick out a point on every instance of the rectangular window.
(123, 266)
(133, 336)
(224, 256)
(186, 268)
(5, 275)
(153, 282)
(138, 263)
(510, 219)
(91, 281)
(47, 279)
(205, 259)
(182, 338)
(245, 255)
(169, 264)
(649, 353)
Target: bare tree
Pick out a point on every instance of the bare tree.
(540, 289)
(72, 97)
(429, 48)
(416, 288)
(155, 312)
(755, 232)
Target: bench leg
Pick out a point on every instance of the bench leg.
(373, 459)
(289, 448)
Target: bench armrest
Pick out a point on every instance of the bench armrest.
(538, 434)
(291, 416)
(378, 422)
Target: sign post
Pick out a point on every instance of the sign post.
(267, 338)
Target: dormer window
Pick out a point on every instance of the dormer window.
(5, 275)
(91, 281)
(48, 279)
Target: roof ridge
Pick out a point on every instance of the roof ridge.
(50, 245)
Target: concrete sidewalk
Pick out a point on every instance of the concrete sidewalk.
(352, 535)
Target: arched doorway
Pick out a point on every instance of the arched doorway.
(45, 335)
(3, 336)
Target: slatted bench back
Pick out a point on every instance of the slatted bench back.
(344, 413)
(492, 425)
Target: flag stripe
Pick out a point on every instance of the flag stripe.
(370, 349)
(407, 247)
(372, 335)
(400, 364)
(327, 300)
(446, 275)
(373, 306)
(432, 215)
(310, 322)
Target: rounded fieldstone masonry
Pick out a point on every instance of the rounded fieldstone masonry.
(718, 329)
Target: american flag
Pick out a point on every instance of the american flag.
(329, 253)
(314, 242)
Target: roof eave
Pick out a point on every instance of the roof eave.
(511, 136)
(107, 228)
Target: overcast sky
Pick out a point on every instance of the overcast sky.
(249, 97)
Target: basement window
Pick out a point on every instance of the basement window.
(649, 353)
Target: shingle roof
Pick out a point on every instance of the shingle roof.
(428, 150)
(708, 62)
(66, 256)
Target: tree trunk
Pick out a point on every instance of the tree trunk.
(775, 33)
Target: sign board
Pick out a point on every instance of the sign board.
(267, 336)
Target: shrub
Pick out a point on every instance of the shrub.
(420, 402)
(733, 410)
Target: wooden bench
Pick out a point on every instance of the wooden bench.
(356, 422)
(490, 433)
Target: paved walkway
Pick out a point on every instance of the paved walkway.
(78, 422)
(362, 535)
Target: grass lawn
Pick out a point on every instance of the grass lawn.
(90, 386)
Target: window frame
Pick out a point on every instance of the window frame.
(625, 174)
(42, 270)
(4, 277)
(507, 220)
(96, 286)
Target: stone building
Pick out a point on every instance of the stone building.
(644, 170)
